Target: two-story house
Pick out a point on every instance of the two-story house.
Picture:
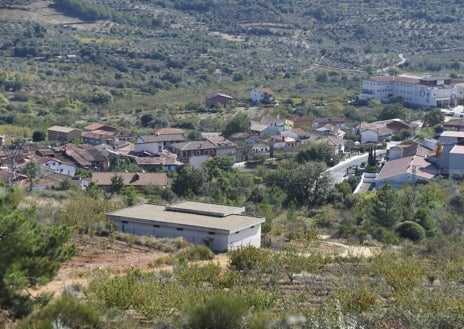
(225, 148)
(274, 125)
(158, 142)
(298, 122)
(85, 156)
(63, 134)
(57, 166)
(262, 95)
(193, 152)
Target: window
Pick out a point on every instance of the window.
(211, 233)
(156, 225)
(179, 229)
(125, 222)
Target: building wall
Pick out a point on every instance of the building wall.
(369, 136)
(61, 168)
(248, 237)
(395, 181)
(256, 96)
(456, 163)
(154, 148)
(62, 136)
(219, 241)
(198, 160)
(217, 100)
(395, 153)
(413, 93)
(186, 156)
(227, 152)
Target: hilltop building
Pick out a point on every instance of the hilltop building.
(420, 91)
(221, 228)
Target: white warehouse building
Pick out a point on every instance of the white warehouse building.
(414, 90)
(221, 228)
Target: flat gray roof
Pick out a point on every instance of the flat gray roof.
(206, 209)
(161, 215)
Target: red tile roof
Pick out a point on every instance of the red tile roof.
(131, 179)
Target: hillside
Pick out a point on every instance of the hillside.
(68, 60)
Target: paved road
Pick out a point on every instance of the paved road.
(338, 172)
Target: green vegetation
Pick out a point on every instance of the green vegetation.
(30, 253)
(149, 64)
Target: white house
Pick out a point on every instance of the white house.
(456, 160)
(158, 142)
(221, 228)
(405, 170)
(262, 95)
(422, 91)
(277, 123)
(59, 166)
(446, 143)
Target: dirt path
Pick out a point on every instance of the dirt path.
(97, 253)
(100, 253)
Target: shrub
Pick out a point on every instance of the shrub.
(219, 312)
(197, 253)
(410, 230)
(65, 312)
(247, 259)
(357, 300)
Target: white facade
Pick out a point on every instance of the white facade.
(60, 167)
(447, 142)
(418, 91)
(198, 223)
(456, 160)
(260, 148)
(259, 95)
(197, 160)
(143, 146)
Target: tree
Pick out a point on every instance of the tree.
(318, 152)
(433, 118)
(410, 230)
(30, 254)
(394, 111)
(32, 170)
(307, 184)
(130, 195)
(223, 181)
(146, 119)
(117, 184)
(240, 123)
(383, 207)
(38, 136)
(123, 164)
(217, 165)
(188, 181)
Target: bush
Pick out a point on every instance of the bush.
(220, 312)
(65, 312)
(410, 230)
(197, 253)
(247, 259)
